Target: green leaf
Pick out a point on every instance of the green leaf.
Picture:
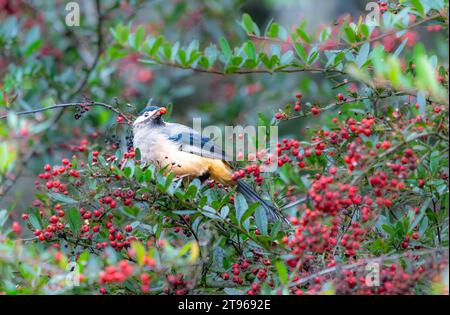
(62, 198)
(351, 37)
(399, 49)
(434, 162)
(233, 291)
(247, 23)
(74, 220)
(225, 47)
(426, 76)
(422, 102)
(395, 71)
(251, 209)
(261, 220)
(32, 41)
(191, 192)
(300, 51)
(139, 37)
(286, 58)
(277, 31)
(211, 54)
(305, 37)
(313, 55)
(250, 50)
(282, 271)
(122, 33)
(140, 252)
(423, 226)
(155, 46)
(34, 221)
(418, 6)
(240, 205)
(182, 57)
(388, 229)
(3, 217)
(363, 55)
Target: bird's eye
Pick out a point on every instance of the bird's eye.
(146, 114)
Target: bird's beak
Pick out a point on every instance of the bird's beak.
(156, 114)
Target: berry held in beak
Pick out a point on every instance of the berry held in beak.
(162, 110)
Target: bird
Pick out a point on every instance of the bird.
(185, 152)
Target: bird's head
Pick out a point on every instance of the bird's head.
(150, 115)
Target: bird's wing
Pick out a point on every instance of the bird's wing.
(193, 142)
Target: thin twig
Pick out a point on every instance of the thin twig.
(64, 105)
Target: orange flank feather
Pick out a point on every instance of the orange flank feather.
(191, 165)
(220, 171)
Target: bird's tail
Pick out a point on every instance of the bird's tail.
(252, 196)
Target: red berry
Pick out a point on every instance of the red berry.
(162, 110)
(314, 110)
(340, 97)
(119, 119)
(16, 227)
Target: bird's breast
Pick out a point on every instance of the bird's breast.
(157, 149)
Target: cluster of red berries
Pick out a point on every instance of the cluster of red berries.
(353, 238)
(253, 170)
(390, 279)
(116, 274)
(250, 270)
(331, 196)
(59, 179)
(311, 235)
(177, 284)
(383, 5)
